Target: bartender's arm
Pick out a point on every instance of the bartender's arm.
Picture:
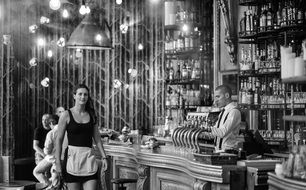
(232, 121)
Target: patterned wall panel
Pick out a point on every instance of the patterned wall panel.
(138, 106)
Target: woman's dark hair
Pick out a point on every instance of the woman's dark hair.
(89, 107)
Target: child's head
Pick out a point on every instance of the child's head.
(53, 120)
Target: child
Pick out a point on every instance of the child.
(49, 160)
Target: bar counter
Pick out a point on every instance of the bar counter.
(282, 183)
(162, 169)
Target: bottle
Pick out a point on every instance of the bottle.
(300, 16)
(184, 72)
(171, 72)
(263, 19)
(242, 24)
(269, 21)
(256, 61)
(256, 96)
(178, 15)
(255, 20)
(181, 43)
(278, 17)
(250, 92)
(285, 15)
(244, 93)
(247, 23)
(167, 69)
(178, 71)
(240, 92)
(196, 73)
(189, 68)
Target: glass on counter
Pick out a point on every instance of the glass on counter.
(295, 165)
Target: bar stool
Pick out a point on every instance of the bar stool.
(122, 181)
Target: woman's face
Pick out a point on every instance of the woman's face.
(81, 96)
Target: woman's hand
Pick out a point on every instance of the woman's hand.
(104, 164)
(58, 168)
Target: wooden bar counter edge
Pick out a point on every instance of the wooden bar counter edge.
(156, 170)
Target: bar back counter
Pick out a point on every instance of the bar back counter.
(164, 169)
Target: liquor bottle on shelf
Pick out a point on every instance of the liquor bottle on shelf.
(178, 15)
(300, 16)
(178, 73)
(278, 17)
(248, 23)
(250, 92)
(291, 13)
(285, 15)
(171, 72)
(240, 92)
(257, 96)
(256, 61)
(269, 17)
(180, 42)
(167, 69)
(196, 72)
(184, 72)
(263, 19)
(244, 93)
(242, 24)
(189, 68)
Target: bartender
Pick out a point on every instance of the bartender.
(226, 129)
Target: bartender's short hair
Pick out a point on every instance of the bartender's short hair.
(225, 89)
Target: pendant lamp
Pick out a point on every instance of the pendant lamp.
(90, 34)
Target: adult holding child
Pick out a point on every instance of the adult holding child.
(81, 170)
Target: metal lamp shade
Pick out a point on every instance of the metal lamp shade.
(89, 34)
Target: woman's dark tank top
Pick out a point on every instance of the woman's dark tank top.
(79, 134)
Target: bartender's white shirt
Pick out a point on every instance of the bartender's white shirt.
(228, 128)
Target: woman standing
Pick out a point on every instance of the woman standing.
(80, 123)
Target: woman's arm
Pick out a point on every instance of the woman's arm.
(97, 139)
(62, 123)
(48, 143)
(37, 148)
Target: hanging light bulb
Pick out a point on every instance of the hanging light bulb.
(44, 20)
(133, 72)
(33, 62)
(61, 42)
(117, 83)
(82, 10)
(65, 13)
(124, 28)
(55, 4)
(98, 37)
(41, 42)
(126, 86)
(32, 86)
(45, 82)
(33, 28)
(119, 2)
(49, 53)
(140, 46)
(87, 9)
